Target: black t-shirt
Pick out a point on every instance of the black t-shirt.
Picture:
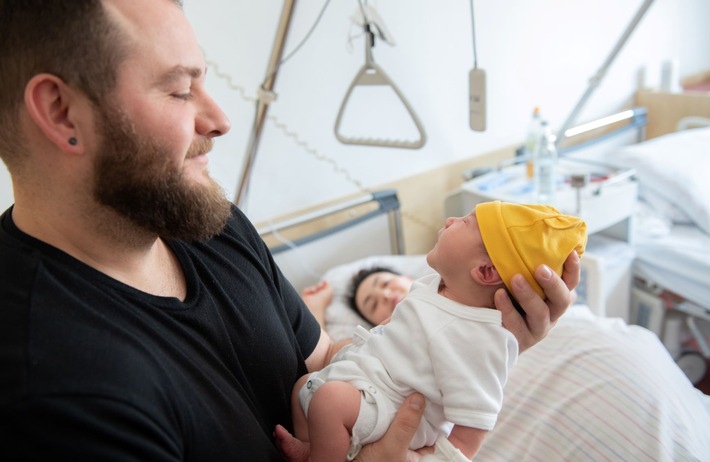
(92, 369)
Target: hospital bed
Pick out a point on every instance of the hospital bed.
(671, 238)
(594, 389)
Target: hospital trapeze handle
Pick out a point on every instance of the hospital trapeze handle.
(372, 74)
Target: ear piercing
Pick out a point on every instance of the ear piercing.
(73, 141)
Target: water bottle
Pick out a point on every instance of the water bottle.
(532, 140)
(545, 167)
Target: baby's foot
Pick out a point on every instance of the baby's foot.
(294, 449)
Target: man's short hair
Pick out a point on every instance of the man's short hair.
(74, 40)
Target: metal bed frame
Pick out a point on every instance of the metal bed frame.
(365, 218)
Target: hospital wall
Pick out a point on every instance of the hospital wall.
(534, 52)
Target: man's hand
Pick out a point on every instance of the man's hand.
(393, 446)
(541, 315)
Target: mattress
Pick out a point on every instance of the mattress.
(678, 260)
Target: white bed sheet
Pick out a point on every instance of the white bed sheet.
(599, 389)
(678, 260)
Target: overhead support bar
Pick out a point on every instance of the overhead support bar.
(265, 98)
(596, 80)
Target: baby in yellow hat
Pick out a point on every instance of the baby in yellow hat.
(445, 340)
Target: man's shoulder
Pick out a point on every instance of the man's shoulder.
(239, 236)
(18, 267)
(238, 226)
(18, 259)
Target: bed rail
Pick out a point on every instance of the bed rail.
(610, 126)
(594, 132)
(385, 202)
(309, 243)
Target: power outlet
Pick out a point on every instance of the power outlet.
(477, 99)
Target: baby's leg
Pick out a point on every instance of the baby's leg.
(331, 416)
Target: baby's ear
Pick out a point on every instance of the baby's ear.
(486, 274)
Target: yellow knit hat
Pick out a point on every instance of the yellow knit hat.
(520, 237)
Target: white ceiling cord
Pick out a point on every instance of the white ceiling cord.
(473, 35)
(303, 41)
(476, 87)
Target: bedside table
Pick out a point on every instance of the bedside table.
(606, 201)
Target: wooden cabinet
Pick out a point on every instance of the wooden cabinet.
(666, 109)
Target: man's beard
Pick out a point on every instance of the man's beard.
(136, 177)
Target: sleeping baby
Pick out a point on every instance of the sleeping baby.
(445, 340)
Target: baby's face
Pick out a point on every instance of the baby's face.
(378, 294)
(458, 244)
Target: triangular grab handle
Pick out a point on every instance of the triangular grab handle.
(371, 74)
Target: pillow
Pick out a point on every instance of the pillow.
(665, 208)
(650, 221)
(340, 319)
(672, 172)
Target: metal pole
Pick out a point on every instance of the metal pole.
(262, 103)
(596, 80)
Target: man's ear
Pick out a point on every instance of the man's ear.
(52, 105)
(486, 274)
